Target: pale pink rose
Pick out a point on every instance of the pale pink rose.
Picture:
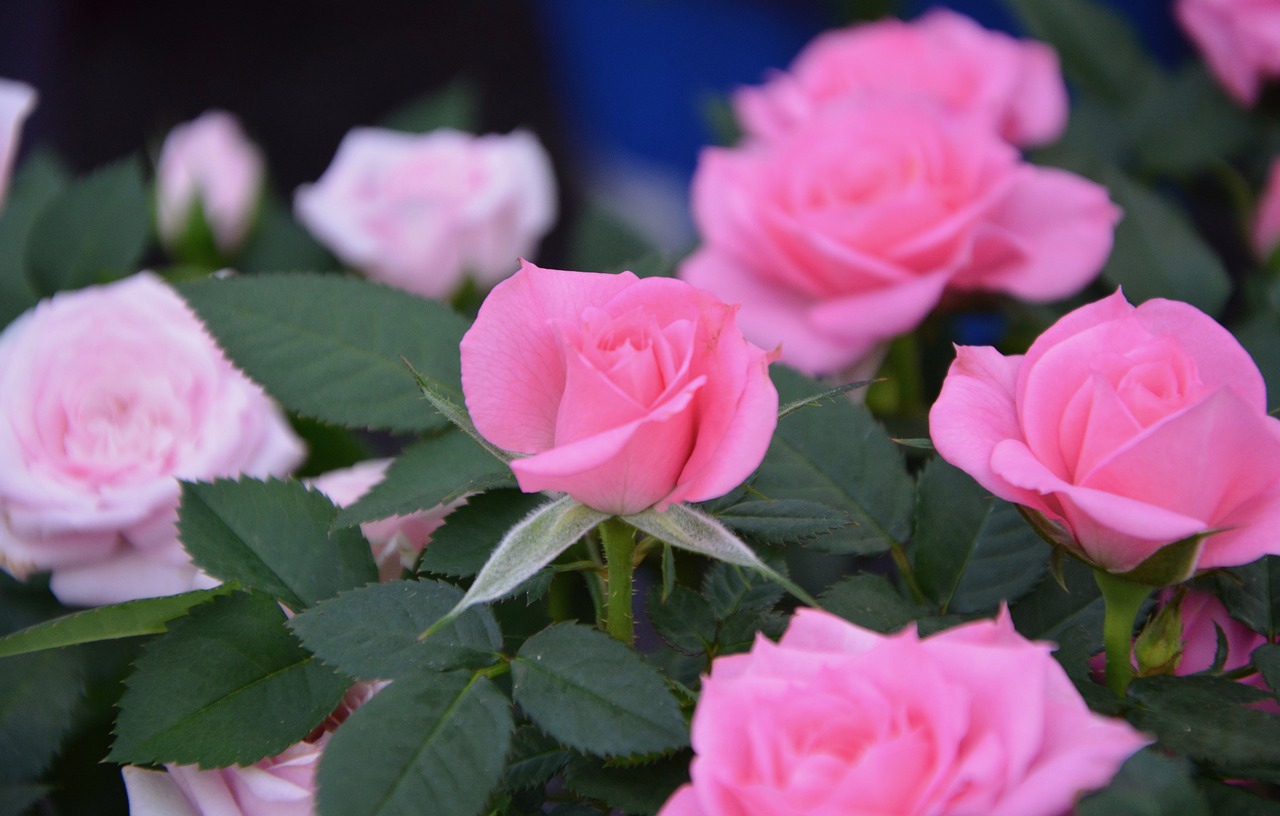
(396, 541)
(1130, 428)
(16, 102)
(1011, 87)
(629, 393)
(1240, 40)
(283, 785)
(108, 396)
(423, 212)
(209, 160)
(836, 719)
(846, 231)
(1266, 219)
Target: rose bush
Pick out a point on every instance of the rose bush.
(845, 232)
(838, 719)
(1012, 87)
(1240, 40)
(421, 212)
(110, 395)
(211, 162)
(628, 393)
(1130, 428)
(16, 101)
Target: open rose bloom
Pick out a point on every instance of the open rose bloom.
(836, 719)
(1128, 428)
(111, 394)
(1240, 40)
(1013, 88)
(628, 393)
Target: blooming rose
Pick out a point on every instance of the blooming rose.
(1130, 428)
(106, 395)
(629, 393)
(1012, 87)
(846, 231)
(1240, 40)
(1266, 219)
(282, 785)
(210, 161)
(420, 212)
(397, 540)
(16, 101)
(838, 719)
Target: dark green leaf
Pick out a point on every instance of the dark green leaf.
(534, 759)
(787, 521)
(228, 684)
(148, 616)
(38, 696)
(972, 551)
(94, 232)
(684, 620)
(333, 348)
(1266, 659)
(372, 632)
(639, 789)
(456, 106)
(1158, 253)
(273, 536)
(838, 455)
(1232, 800)
(470, 533)
(871, 602)
(17, 799)
(279, 244)
(1187, 124)
(730, 588)
(1260, 336)
(435, 471)
(1148, 784)
(594, 694)
(38, 181)
(429, 743)
(600, 240)
(1048, 611)
(1251, 594)
(737, 632)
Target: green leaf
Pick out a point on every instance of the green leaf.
(533, 760)
(18, 799)
(428, 743)
(1158, 253)
(838, 455)
(829, 396)
(279, 244)
(785, 521)
(38, 181)
(1232, 800)
(1266, 659)
(680, 525)
(1049, 611)
(731, 589)
(599, 239)
(1251, 594)
(871, 602)
(639, 789)
(39, 694)
(445, 402)
(372, 632)
(737, 632)
(471, 533)
(148, 616)
(1210, 127)
(455, 106)
(436, 471)
(971, 551)
(94, 232)
(684, 620)
(333, 348)
(273, 536)
(228, 684)
(592, 693)
(1148, 784)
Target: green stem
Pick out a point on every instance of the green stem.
(619, 542)
(1122, 600)
(908, 574)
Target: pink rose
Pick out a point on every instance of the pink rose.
(629, 393)
(1240, 40)
(397, 540)
(421, 212)
(846, 231)
(1129, 428)
(106, 395)
(16, 101)
(283, 785)
(1266, 219)
(838, 719)
(1011, 87)
(1202, 616)
(208, 160)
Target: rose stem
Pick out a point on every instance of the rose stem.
(1121, 600)
(619, 542)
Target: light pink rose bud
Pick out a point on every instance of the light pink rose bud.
(17, 99)
(628, 393)
(1128, 429)
(111, 394)
(1266, 219)
(838, 719)
(396, 541)
(1240, 40)
(209, 160)
(1013, 88)
(845, 232)
(422, 212)
(282, 785)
